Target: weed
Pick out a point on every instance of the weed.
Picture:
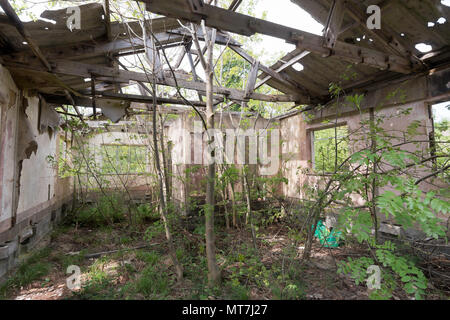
(153, 283)
(34, 268)
(151, 258)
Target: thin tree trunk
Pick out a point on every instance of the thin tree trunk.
(214, 273)
(164, 213)
(165, 162)
(373, 207)
(233, 204)
(151, 56)
(249, 216)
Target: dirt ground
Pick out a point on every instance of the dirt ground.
(117, 263)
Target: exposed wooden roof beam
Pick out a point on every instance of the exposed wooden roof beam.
(24, 33)
(88, 102)
(89, 49)
(149, 99)
(315, 9)
(234, 5)
(84, 70)
(223, 19)
(271, 73)
(107, 19)
(387, 39)
(334, 23)
(353, 9)
(284, 66)
(251, 81)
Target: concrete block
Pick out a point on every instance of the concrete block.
(331, 220)
(390, 229)
(4, 253)
(26, 234)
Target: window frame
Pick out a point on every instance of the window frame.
(312, 134)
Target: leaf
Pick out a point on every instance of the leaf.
(406, 278)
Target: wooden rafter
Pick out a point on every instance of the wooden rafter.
(386, 38)
(88, 102)
(335, 18)
(284, 66)
(23, 32)
(223, 19)
(271, 73)
(84, 50)
(84, 70)
(234, 5)
(107, 19)
(252, 78)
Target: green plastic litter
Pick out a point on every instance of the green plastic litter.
(329, 239)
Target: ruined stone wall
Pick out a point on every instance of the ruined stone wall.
(31, 197)
(8, 112)
(96, 181)
(388, 103)
(189, 155)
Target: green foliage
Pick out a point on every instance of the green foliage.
(146, 212)
(155, 230)
(414, 207)
(153, 283)
(151, 258)
(325, 142)
(413, 280)
(395, 267)
(108, 210)
(34, 268)
(442, 136)
(384, 162)
(245, 269)
(121, 159)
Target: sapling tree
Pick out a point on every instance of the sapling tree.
(386, 173)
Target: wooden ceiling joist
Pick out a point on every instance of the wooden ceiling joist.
(234, 5)
(83, 70)
(88, 102)
(89, 49)
(9, 11)
(291, 85)
(223, 19)
(335, 19)
(285, 65)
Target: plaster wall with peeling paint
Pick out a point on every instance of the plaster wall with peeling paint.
(32, 195)
(8, 122)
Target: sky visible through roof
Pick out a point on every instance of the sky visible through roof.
(282, 12)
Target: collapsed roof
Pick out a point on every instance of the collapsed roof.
(81, 67)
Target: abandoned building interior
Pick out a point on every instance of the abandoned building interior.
(106, 114)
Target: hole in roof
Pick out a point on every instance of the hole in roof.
(47, 20)
(423, 47)
(441, 20)
(358, 39)
(298, 66)
(446, 2)
(402, 34)
(24, 42)
(430, 24)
